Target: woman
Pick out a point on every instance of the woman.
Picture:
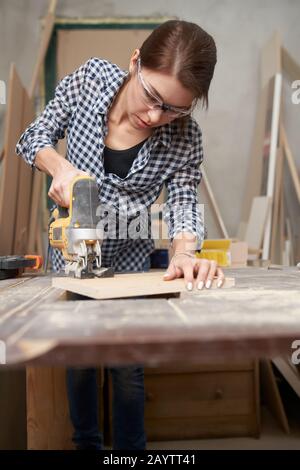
(134, 133)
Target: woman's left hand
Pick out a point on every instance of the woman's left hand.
(197, 272)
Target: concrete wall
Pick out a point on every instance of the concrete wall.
(240, 29)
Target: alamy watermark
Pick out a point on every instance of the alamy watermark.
(127, 219)
(2, 352)
(2, 92)
(296, 94)
(296, 354)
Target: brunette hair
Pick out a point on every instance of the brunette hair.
(186, 51)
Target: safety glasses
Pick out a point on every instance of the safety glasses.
(152, 101)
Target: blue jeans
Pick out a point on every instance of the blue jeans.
(128, 406)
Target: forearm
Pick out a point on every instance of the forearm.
(49, 161)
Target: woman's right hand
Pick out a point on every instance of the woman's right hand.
(63, 176)
(62, 172)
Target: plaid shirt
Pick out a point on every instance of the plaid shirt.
(171, 156)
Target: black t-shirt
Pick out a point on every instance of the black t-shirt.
(119, 162)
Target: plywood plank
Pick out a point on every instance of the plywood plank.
(290, 66)
(46, 36)
(37, 179)
(255, 165)
(256, 225)
(34, 212)
(76, 46)
(24, 187)
(11, 163)
(276, 109)
(271, 58)
(127, 285)
(291, 163)
(270, 65)
(275, 251)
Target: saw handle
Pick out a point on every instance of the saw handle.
(58, 212)
(63, 212)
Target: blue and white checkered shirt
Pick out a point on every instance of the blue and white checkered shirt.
(171, 156)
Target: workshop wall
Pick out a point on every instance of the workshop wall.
(240, 29)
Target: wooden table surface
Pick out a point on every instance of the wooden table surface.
(259, 317)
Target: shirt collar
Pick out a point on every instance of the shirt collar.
(109, 87)
(164, 134)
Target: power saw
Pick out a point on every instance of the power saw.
(74, 231)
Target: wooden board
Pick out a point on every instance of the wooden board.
(271, 395)
(214, 204)
(255, 165)
(34, 234)
(274, 134)
(256, 225)
(271, 58)
(46, 36)
(289, 371)
(24, 187)
(238, 254)
(48, 422)
(257, 318)
(11, 163)
(34, 211)
(127, 285)
(76, 46)
(291, 163)
(16, 178)
(290, 66)
(275, 253)
(270, 65)
(13, 409)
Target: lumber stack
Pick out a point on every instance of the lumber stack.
(270, 214)
(21, 187)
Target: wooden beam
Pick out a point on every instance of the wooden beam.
(272, 159)
(275, 250)
(214, 204)
(48, 423)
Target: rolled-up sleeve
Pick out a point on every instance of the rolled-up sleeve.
(51, 125)
(182, 211)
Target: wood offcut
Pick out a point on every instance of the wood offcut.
(128, 285)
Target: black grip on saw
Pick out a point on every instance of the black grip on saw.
(63, 212)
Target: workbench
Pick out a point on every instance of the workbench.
(259, 317)
(206, 345)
